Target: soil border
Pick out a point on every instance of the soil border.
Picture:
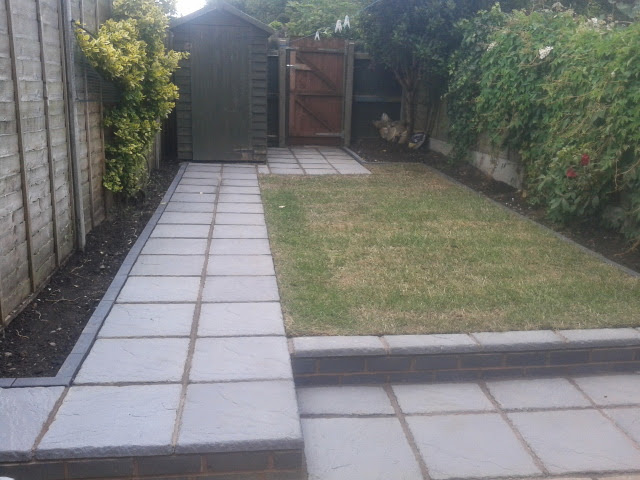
(69, 368)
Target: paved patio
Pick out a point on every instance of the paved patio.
(190, 377)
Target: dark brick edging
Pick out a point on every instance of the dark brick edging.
(460, 357)
(71, 365)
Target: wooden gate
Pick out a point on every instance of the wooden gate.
(317, 91)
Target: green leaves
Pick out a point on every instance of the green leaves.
(129, 51)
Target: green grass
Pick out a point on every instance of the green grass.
(406, 251)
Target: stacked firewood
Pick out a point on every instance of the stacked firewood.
(396, 132)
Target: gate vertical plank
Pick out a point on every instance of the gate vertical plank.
(348, 92)
(23, 166)
(282, 96)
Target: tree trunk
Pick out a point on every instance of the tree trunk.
(410, 109)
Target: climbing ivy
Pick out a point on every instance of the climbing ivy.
(128, 50)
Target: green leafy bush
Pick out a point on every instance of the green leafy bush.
(128, 50)
(562, 91)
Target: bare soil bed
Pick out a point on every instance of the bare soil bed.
(39, 339)
(608, 243)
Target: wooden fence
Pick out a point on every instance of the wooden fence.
(51, 143)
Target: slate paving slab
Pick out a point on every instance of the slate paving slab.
(148, 320)
(439, 398)
(105, 421)
(569, 441)
(240, 358)
(475, 445)
(240, 265)
(537, 393)
(159, 289)
(240, 319)
(344, 400)
(612, 389)
(168, 265)
(350, 448)
(248, 416)
(23, 412)
(139, 360)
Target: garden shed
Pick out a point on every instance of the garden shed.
(221, 114)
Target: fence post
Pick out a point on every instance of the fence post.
(348, 92)
(69, 69)
(282, 95)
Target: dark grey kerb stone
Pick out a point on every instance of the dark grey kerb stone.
(337, 346)
(249, 416)
(110, 421)
(519, 341)
(427, 344)
(23, 412)
(602, 337)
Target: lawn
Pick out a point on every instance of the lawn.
(404, 251)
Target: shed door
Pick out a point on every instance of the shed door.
(221, 93)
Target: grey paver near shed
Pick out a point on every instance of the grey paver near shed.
(222, 110)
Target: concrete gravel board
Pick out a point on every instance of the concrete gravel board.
(148, 320)
(477, 445)
(518, 341)
(576, 441)
(612, 389)
(134, 360)
(240, 289)
(240, 416)
(107, 421)
(337, 346)
(344, 400)
(23, 413)
(240, 265)
(426, 344)
(350, 448)
(240, 319)
(537, 393)
(240, 358)
(439, 398)
(602, 337)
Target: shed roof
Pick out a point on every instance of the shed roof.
(227, 8)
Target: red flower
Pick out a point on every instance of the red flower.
(571, 173)
(584, 161)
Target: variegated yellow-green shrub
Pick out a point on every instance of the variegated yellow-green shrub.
(129, 51)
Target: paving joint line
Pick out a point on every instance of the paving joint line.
(49, 421)
(195, 323)
(536, 459)
(407, 432)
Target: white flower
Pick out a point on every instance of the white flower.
(491, 46)
(346, 23)
(338, 26)
(544, 52)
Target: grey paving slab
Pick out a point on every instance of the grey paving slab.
(239, 198)
(239, 176)
(337, 346)
(168, 265)
(195, 180)
(232, 189)
(194, 197)
(159, 289)
(240, 246)
(602, 337)
(438, 398)
(240, 208)
(187, 218)
(211, 176)
(240, 265)
(344, 400)
(223, 218)
(240, 231)
(351, 169)
(537, 393)
(109, 421)
(241, 416)
(425, 344)
(118, 360)
(189, 207)
(240, 358)
(180, 231)
(612, 389)
(239, 319)
(195, 167)
(196, 188)
(175, 246)
(628, 418)
(569, 441)
(350, 448)
(263, 169)
(476, 445)
(287, 171)
(239, 169)
(240, 182)
(517, 341)
(23, 413)
(316, 171)
(240, 289)
(142, 320)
